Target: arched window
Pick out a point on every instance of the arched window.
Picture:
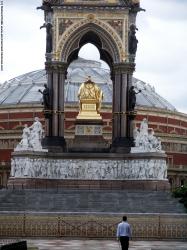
(182, 182)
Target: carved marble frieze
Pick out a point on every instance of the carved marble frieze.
(141, 169)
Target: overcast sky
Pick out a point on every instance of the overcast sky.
(162, 48)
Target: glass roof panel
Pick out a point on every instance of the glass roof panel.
(17, 94)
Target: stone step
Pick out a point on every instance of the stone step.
(89, 200)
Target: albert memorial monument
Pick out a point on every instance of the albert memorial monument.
(88, 180)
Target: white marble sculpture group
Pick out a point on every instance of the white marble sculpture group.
(142, 169)
(31, 137)
(145, 140)
(45, 167)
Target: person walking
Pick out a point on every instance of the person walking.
(124, 233)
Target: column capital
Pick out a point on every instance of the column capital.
(56, 66)
(124, 67)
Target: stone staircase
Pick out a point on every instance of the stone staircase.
(74, 200)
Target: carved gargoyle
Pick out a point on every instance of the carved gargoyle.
(46, 6)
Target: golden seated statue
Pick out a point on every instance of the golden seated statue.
(90, 97)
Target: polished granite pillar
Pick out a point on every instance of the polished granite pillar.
(54, 139)
(122, 138)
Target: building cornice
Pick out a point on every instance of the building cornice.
(169, 137)
(162, 112)
(12, 107)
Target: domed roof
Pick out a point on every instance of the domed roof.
(24, 89)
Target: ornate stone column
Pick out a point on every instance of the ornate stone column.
(130, 114)
(47, 114)
(62, 77)
(55, 116)
(122, 126)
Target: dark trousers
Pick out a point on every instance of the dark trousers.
(124, 240)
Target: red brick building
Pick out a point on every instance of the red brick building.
(20, 102)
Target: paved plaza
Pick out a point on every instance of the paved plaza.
(62, 244)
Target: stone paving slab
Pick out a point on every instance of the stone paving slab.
(63, 244)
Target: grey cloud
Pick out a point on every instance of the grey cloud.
(23, 3)
(161, 55)
(162, 49)
(166, 9)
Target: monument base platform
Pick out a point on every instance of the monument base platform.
(89, 166)
(36, 183)
(54, 143)
(122, 145)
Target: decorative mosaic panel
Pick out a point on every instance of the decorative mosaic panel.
(64, 24)
(88, 130)
(117, 25)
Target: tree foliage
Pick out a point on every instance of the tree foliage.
(181, 193)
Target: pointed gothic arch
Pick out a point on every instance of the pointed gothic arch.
(100, 34)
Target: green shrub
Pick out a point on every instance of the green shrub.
(181, 192)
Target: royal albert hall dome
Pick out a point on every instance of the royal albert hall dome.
(24, 89)
(20, 102)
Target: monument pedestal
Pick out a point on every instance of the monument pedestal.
(89, 137)
(89, 110)
(89, 124)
